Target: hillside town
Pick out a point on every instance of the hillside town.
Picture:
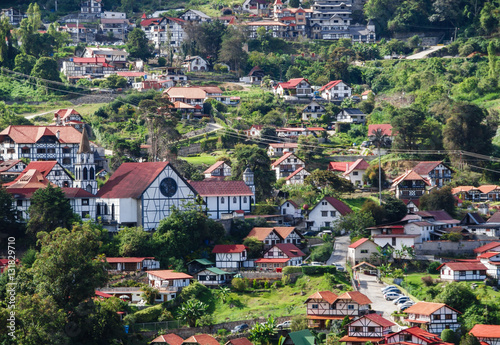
(249, 173)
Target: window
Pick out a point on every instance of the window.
(66, 161)
(350, 307)
(333, 213)
(448, 317)
(85, 201)
(52, 150)
(462, 273)
(436, 317)
(371, 329)
(85, 214)
(364, 251)
(244, 199)
(66, 150)
(25, 150)
(222, 200)
(394, 241)
(40, 150)
(314, 306)
(323, 203)
(324, 213)
(234, 200)
(19, 203)
(357, 329)
(333, 306)
(355, 173)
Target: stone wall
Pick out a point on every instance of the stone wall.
(444, 248)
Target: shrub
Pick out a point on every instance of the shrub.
(432, 269)
(292, 269)
(238, 284)
(428, 281)
(318, 270)
(150, 314)
(222, 331)
(322, 253)
(277, 284)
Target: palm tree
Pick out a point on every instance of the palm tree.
(379, 140)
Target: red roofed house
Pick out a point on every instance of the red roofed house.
(326, 212)
(436, 172)
(133, 264)
(164, 30)
(142, 194)
(279, 149)
(223, 198)
(92, 67)
(291, 208)
(414, 335)
(487, 334)
(254, 131)
(11, 169)
(69, 117)
(219, 170)
(356, 171)
(297, 177)
(51, 170)
(360, 251)
(201, 339)
(230, 256)
(279, 256)
(436, 316)
(286, 165)
(167, 339)
(325, 305)
(298, 87)
(490, 192)
(278, 234)
(462, 271)
(335, 90)
(410, 185)
(239, 341)
(168, 280)
(368, 328)
(490, 247)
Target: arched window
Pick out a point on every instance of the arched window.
(222, 200)
(113, 212)
(85, 174)
(92, 174)
(244, 199)
(234, 200)
(89, 188)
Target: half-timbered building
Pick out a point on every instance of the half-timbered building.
(435, 316)
(410, 185)
(297, 177)
(213, 276)
(368, 328)
(437, 172)
(462, 271)
(413, 335)
(132, 264)
(491, 260)
(219, 170)
(51, 170)
(325, 305)
(279, 256)
(275, 235)
(142, 194)
(230, 256)
(490, 247)
(286, 165)
(487, 334)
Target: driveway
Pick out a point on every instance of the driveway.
(425, 53)
(339, 253)
(370, 287)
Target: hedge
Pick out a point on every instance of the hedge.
(150, 314)
(318, 270)
(292, 269)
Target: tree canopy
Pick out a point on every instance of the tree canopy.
(439, 199)
(138, 46)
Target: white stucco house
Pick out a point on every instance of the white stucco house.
(326, 212)
(360, 251)
(230, 257)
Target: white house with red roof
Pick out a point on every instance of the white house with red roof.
(356, 171)
(219, 170)
(117, 57)
(279, 149)
(69, 117)
(462, 271)
(326, 305)
(279, 256)
(290, 207)
(222, 198)
(299, 87)
(326, 213)
(79, 67)
(286, 165)
(360, 251)
(168, 280)
(164, 30)
(336, 90)
(410, 185)
(195, 95)
(489, 192)
(132, 263)
(487, 248)
(437, 172)
(254, 131)
(275, 235)
(230, 256)
(367, 328)
(51, 170)
(487, 334)
(201, 339)
(414, 335)
(435, 316)
(142, 194)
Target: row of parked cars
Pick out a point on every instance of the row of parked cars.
(393, 293)
(243, 327)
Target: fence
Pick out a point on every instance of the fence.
(155, 326)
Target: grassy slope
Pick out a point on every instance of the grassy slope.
(286, 301)
(202, 159)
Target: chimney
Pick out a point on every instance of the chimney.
(58, 134)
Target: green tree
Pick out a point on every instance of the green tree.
(395, 209)
(190, 311)
(407, 123)
(114, 81)
(377, 211)
(325, 179)
(7, 50)
(8, 214)
(133, 242)
(308, 147)
(299, 322)
(469, 339)
(438, 199)
(371, 175)
(61, 38)
(255, 247)
(24, 63)
(231, 50)
(49, 209)
(149, 293)
(199, 292)
(138, 46)
(258, 161)
(356, 223)
(29, 26)
(263, 332)
(458, 296)
(46, 68)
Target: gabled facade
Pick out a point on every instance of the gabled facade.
(436, 172)
(279, 256)
(326, 213)
(335, 90)
(368, 328)
(167, 339)
(462, 271)
(356, 171)
(297, 177)
(360, 251)
(213, 276)
(467, 193)
(313, 111)
(195, 16)
(133, 264)
(10, 169)
(413, 335)
(195, 64)
(409, 185)
(69, 117)
(276, 235)
(286, 165)
(487, 334)
(164, 30)
(278, 150)
(219, 169)
(325, 305)
(298, 87)
(436, 316)
(291, 208)
(489, 192)
(254, 131)
(351, 115)
(168, 280)
(77, 68)
(230, 256)
(51, 170)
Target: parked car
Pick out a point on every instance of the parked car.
(316, 263)
(339, 267)
(396, 290)
(239, 328)
(286, 324)
(406, 305)
(325, 232)
(388, 287)
(391, 296)
(401, 300)
(309, 233)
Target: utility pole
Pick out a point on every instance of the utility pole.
(77, 31)
(56, 6)
(379, 177)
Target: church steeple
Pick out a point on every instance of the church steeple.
(85, 170)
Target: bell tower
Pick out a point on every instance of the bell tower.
(85, 174)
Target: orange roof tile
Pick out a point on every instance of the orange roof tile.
(169, 274)
(202, 339)
(328, 296)
(486, 331)
(260, 233)
(356, 296)
(170, 339)
(426, 308)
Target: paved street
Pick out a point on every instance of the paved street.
(339, 253)
(425, 53)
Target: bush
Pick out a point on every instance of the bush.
(292, 269)
(239, 284)
(432, 269)
(277, 284)
(322, 253)
(265, 209)
(162, 61)
(150, 314)
(428, 281)
(222, 332)
(318, 270)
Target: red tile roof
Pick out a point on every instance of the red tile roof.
(202, 339)
(30, 179)
(285, 145)
(427, 337)
(487, 255)
(170, 339)
(440, 215)
(330, 85)
(289, 177)
(409, 176)
(358, 242)
(386, 129)
(359, 164)
(341, 207)
(239, 341)
(272, 260)
(356, 296)
(129, 260)
(464, 266)
(379, 320)
(293, 203)
(488, 188)
(260, 233)
(72, 193)
(229, 248)
(328, 296)
(64, 113)
(31, 134)
(169, 274)
(292, 83)
(424, 168)
(339, 166)
(487, 247)
(221, 188)
(44, 167)
(130, 180)
(213, 167)
(486, 331)
(495, 218)
(290, 250)
(102, 294)
(151, 21)
(350, 339)
(285, 231)
(281, 159)
(426, 308)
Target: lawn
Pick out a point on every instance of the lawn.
(201, 159)
(285, 301)
(357, 203)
